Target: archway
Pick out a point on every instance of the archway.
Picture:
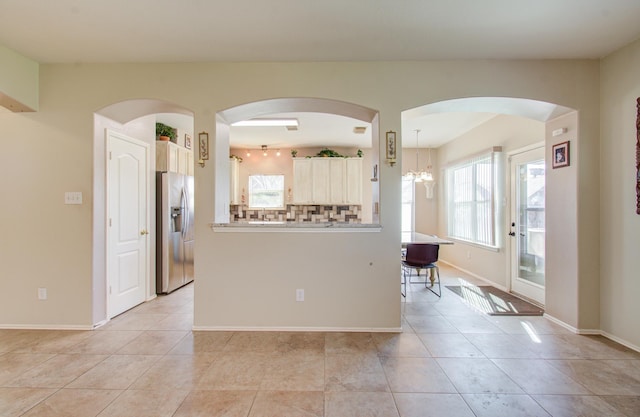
(135, 118)
(286, 105)
(480, 123)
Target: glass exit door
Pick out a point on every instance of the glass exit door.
(527, 231)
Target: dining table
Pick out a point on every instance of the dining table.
(415, 237)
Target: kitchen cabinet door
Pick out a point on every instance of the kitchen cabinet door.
(321, 180)
(353, 181)
(166, 156)
(184, 160)
(302, 181)
(337, 181)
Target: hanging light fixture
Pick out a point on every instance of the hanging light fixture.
(264, 150)
(420, 175)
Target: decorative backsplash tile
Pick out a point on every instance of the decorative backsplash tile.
(299, 214)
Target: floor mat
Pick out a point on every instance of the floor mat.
(495, 302)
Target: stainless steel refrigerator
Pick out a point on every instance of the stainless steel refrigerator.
(174, 231)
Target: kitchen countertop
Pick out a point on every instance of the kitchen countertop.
(276, 226)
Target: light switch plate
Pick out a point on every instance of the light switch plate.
(73, 197)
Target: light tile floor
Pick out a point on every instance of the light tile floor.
(451, 360)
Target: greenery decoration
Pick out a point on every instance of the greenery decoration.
(165, 130)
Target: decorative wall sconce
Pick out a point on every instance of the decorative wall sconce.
(203, 149)
(391, 150)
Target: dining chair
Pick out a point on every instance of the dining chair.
(417, 257)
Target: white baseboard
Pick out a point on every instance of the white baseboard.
(621, 341)
(481, 278)
(45, 327)
(100, 323)
(298, 329)
(592, 332)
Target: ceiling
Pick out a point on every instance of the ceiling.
(77, 31)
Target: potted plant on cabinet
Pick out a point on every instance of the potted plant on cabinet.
(165, 132)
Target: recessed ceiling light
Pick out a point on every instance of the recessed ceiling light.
(266, 122)
(359, 130)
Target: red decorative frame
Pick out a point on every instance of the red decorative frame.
(638, 157)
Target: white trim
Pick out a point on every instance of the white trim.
(298, 329)
(560, 323)
(592, 332)
(621, 341)
(493, 283)
(101, 323)
(46, 327)
(525, 149)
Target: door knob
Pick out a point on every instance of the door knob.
(144, 232)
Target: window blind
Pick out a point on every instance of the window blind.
(471, 192)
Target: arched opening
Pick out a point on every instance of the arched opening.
(135, 119)
(451, 131)
(320, 116)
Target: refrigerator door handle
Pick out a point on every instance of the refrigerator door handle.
(185, 213)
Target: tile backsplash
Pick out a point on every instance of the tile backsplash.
(299, 214)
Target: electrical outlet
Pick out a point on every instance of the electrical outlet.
(468, 254)
(73, 197)
(42, 293)
(299, 294)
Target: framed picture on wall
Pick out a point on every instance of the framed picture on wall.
(560, 155)
(391, 145)
(187, 141)
(203, 138)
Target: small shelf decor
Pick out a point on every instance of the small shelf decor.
(166, 132)
(329, 153)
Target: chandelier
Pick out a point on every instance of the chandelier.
(421, 175)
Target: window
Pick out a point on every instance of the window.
(471, 196)
(266, 191)
(407, 204)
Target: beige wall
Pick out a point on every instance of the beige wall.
(18, 81)
(619, 223)
(244, 280)
(563, 280)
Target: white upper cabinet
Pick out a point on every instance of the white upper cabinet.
(173, 158)
(353, 181)
(327, 181)
(302, 181)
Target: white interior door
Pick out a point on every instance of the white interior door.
(527, 231)
(128, 222)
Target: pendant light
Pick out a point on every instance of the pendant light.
(420, 175)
